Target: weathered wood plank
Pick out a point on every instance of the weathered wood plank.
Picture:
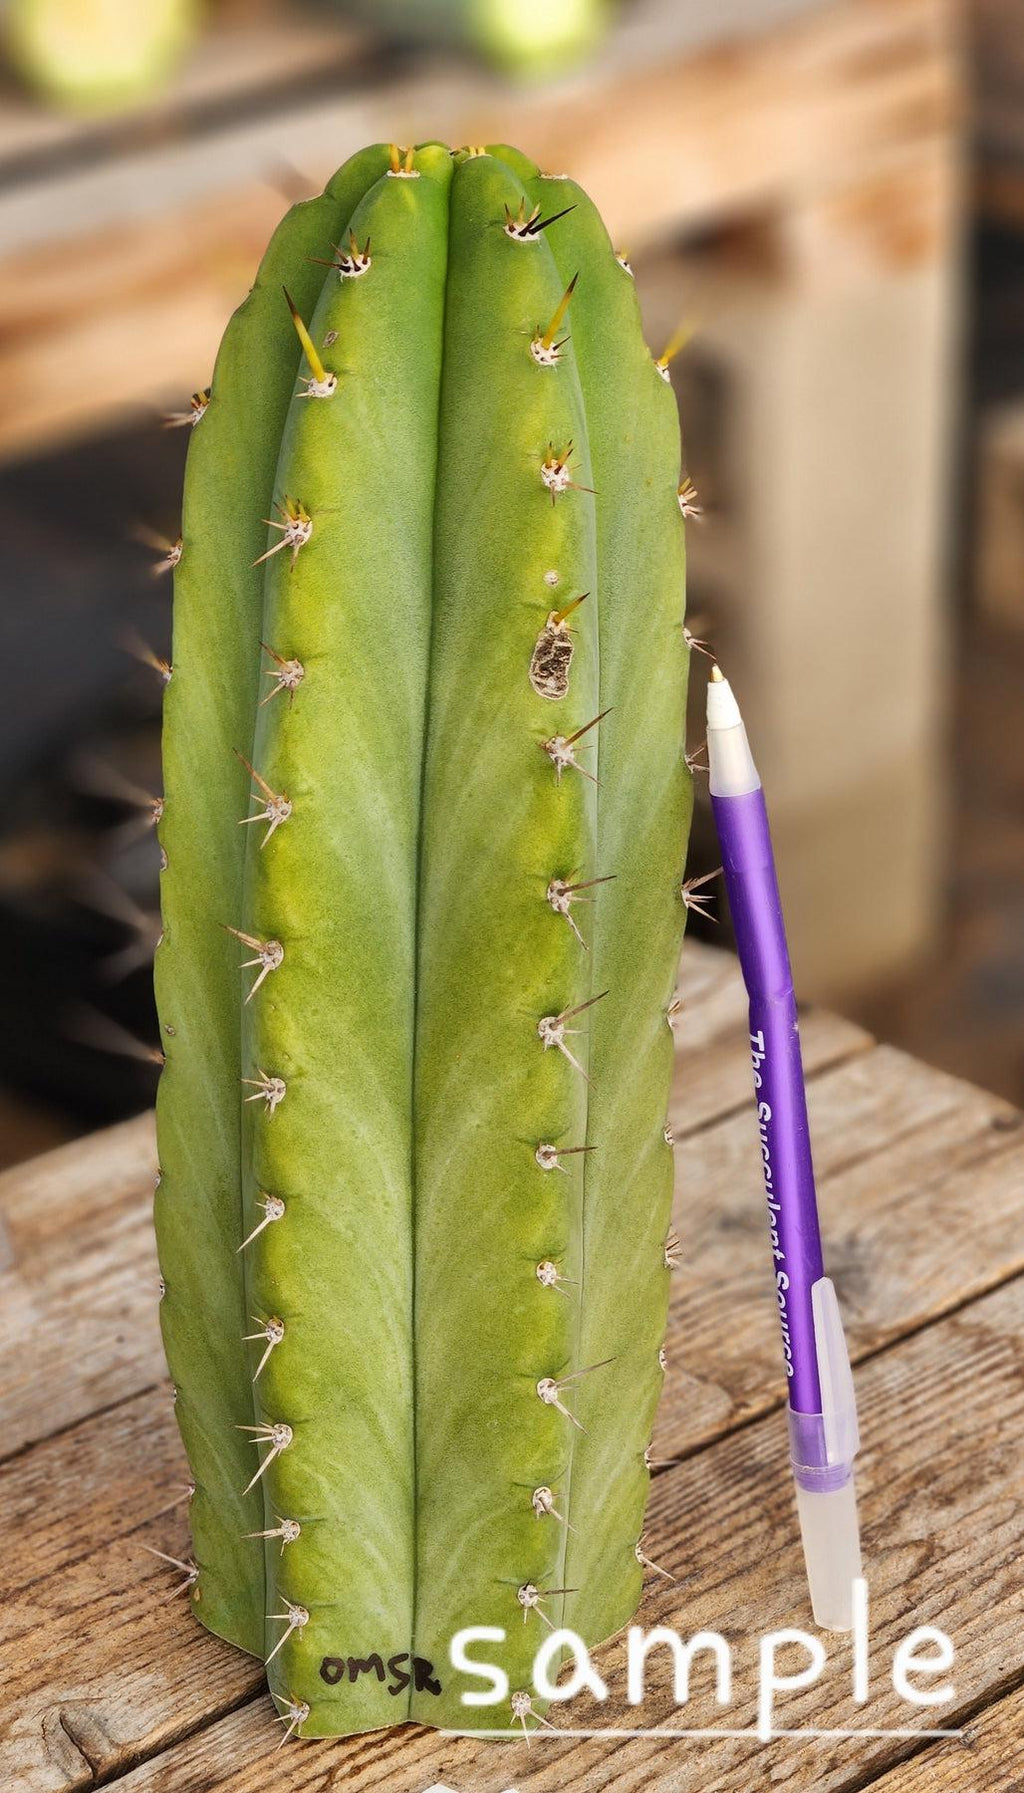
(163, 236)
(907, 1160)
(85, 1606)
(987, 1758)
(78, 1288)
(79, 1274)
(944, 1536)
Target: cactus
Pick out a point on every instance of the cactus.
(415, 1175)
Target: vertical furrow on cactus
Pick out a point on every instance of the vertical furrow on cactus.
(501, 819)
(643, 816)
(208, 710)
(331, 900)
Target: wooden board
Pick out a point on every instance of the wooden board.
(119, 269)
(107, 1679)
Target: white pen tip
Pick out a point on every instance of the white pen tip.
(722, 709)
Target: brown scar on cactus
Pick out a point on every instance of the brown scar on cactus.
(553, 651)
(319, 383)
(560, 749)
(296, 526)
(276, 806)
(176, 420)
(551, 1030)
(288, 676)
(269, 956)
(543, 346)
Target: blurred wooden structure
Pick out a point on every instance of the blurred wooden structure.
(999, 575)
(829, 136)
(109, 1681)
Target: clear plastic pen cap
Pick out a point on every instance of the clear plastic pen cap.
(822, 1451)
(830, 1533)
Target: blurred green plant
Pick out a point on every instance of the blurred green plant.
(528, 38)
(98, 56)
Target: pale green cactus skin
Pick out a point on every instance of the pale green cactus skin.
(388, 1081)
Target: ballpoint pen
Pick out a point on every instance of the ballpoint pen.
(823, 1436)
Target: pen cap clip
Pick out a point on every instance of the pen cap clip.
(838, 1400)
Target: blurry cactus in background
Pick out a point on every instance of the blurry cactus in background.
(530, 38)
(98, 55)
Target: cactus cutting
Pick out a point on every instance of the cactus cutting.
(415, 1182)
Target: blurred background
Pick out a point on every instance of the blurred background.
(829, 193)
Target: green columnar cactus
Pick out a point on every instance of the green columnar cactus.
(415, 1181)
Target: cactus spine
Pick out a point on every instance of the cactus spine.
(415, 1185)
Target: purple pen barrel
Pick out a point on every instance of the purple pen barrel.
(782, 1125)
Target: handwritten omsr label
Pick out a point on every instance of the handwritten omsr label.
(420, 1673)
